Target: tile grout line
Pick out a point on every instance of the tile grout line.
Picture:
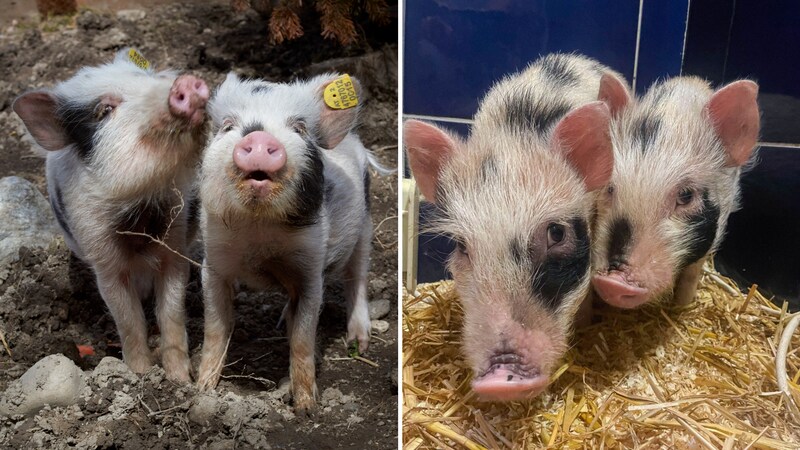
(638, 41)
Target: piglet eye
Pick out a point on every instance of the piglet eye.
(685, 196)
(462, 248)
(555, 234)
(299, 126)
(103, 110)
(227, 126)
(610, 189)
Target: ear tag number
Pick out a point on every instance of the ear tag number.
(341, 93)
(137, 58)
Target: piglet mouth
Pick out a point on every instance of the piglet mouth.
(617, 289)
(259, 183)
(258, 176)
(509, 378)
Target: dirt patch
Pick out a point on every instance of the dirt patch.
(49, 302)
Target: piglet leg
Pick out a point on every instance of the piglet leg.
(355, 292)
(686, 285)
(171, 314)
(218, 314)
(302, 318)
(125, 306)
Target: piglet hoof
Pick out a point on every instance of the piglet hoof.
(139, 363)
(177, 369)
(358, 332)
(304, 406)
(207, 381)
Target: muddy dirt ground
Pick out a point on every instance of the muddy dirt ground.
(49, 302)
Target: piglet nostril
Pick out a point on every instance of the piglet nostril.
(616, 264)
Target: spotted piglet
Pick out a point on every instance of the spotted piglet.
(284, 188)
(123, 142)
(678, 154)
(517, 197)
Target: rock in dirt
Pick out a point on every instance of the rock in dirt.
(204, 409)
(378, 309)
(111, 39)
(55, 380)
(379, 326)
(131, 15)
(110, 370)
(25, 218)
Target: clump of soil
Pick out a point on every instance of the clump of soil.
(49, 301)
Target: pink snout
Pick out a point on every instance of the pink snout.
(187, 99)
(260, 156)
(615, 291)
(504, 384)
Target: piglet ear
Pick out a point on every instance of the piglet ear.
(37, 109)
(615, 93)
(734, 112)
(337, 118)
(582, 136)
(428, 148)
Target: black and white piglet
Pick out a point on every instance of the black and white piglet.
(284, 187)
(123, 143)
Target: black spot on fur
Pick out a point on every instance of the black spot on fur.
(645, 130)
(701, 231)
(252, 127)
(488, 169)
(80, 124)
(526, 113)
(620, 243)
(261, 88)
(309, 187)
(150, 218)
(561, 274)
(367, 181)
(557, 70)
(517, 251)
(192, 217)
(59, 210)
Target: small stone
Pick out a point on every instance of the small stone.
(120, 406)
(110, 370)
(114, 38)
(379, 326)
(204, 409)
(378, 309)
(331, 396)
(131, 15)
(55, 380)
(25, 218)
(283, 391)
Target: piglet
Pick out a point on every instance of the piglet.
(517, 198)
(285, 194)
(678, 155)
(123, 142)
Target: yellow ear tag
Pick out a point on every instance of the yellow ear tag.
(137, 58)
(341, 93)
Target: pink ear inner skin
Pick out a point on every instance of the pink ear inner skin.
(583, 138)
(734, 112)
(614, 93)
(428, 148)
(38, 111)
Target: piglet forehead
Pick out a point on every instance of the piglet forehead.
(259, 100)
(120, 78)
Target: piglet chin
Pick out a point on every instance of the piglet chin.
(616, 291)
(260, 188)
(503, 384)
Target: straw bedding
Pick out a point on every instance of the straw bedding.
(701, 376)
